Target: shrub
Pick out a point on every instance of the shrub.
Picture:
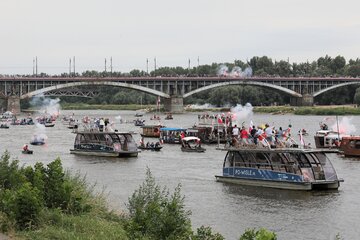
(261, 234)
(154, 214)
(205, 233)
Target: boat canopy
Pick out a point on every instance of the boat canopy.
(186, 139)
(172, 129)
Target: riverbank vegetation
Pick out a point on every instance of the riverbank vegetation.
(46, 202)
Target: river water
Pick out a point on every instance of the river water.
(228, 209)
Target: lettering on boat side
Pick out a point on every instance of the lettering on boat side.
(246, 172)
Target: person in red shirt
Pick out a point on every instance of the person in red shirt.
(244, 135)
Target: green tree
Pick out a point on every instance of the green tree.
(155, 214)
(54, 188)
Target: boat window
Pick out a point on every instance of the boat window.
(115, 138)
(79, 139)
(122, 139)
(229, 159)
(262, 160)
(303, 161)
(275, 160)
(290, 163)
(329, 170)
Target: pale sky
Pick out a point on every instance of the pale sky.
(172, 31)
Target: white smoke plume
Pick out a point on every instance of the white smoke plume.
(46, 105)
(223, 71)
(344, 126)
(204, 106)
(242, 113)
(237, 72)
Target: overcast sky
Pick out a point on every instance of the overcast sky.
(172, 31)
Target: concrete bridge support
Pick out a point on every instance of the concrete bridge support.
(305, 100)
(13, 104)
(175, 104)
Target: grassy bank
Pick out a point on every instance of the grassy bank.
(315, 110)
(83, 106)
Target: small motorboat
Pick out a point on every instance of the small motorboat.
(139, 122)
(27, 151)
(49, 124)
(37, 140)
(191, 144)
(152, 148)
(4, 126)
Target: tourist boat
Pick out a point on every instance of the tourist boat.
(350, 146)
(106, 144)
(171, 135)
(285, 168)
(327, 139)
(151, 131)
(191, 144)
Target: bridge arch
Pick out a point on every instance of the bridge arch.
(334, 87)
(104, 83)
(282, 89)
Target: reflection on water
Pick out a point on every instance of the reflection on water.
(228, 209)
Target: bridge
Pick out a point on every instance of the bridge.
(172, 90)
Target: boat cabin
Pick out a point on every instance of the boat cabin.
(171, 135)
(112, 144)
(151, 131)
(327, 139)
(350, 146)
(286, 168)
(211, 134)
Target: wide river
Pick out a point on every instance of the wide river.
(228, 209)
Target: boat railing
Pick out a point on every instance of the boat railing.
(289, 168)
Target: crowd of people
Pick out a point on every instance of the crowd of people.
(265, 135)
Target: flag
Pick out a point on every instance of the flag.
(301, 138)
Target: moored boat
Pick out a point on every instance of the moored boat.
(284, 168)
(350, 146)
(107, 144)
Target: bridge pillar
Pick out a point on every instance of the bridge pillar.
(174, 104)
(305, 100)
(13, 104)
